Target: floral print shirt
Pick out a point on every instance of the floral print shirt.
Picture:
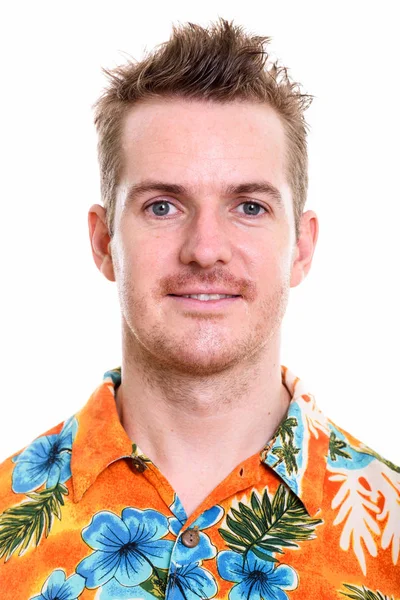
(85, 514)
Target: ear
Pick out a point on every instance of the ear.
(305, 246)
(100, 241)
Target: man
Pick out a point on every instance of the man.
(200, 468)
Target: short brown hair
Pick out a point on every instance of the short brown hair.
(221, 63)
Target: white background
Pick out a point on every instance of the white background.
(60, 324)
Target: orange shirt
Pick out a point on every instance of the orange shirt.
(85, 514)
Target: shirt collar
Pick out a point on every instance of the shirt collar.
(297, 452)
(100, 439)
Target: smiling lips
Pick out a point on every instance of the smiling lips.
(205, 302)
(205, 292)
(205, 297)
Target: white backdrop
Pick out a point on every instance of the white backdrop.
(60, 319)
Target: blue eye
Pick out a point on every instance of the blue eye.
(161, 203)
(253, 206)
(163, 210)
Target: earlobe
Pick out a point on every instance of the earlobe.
(107, 268)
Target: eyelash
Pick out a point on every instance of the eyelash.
(169, 202)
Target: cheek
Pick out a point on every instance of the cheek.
(144, 263)
(268, 261)
(278, 255)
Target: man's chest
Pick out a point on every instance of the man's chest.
(128, 537)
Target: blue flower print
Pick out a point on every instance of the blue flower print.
(56, 587)
(180, 518)
(46, 460)
(113, 590)
(255, 579)
(126, 548)
(204, 549)
(190, 582)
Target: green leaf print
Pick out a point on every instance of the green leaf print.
(287, 454)
(388, 463)
(286, 429)
(19, 524)
(364, 593)
(336, 447)
(265, 528)
(157, 583)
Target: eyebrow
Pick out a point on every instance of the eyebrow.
(149, 185)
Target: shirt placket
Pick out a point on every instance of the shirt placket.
(192, 546)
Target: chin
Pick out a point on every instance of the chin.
(199, 368)
(208, 359)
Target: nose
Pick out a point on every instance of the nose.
(206, 239)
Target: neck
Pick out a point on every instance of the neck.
(178, 418)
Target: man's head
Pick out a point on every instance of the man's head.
(220, 64)
(202, 151)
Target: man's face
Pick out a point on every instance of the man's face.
(171, 241)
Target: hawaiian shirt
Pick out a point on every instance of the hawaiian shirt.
(84, 513)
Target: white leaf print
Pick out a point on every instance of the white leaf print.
(389, 486)
(355, 502)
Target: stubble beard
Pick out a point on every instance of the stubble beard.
(203, 348)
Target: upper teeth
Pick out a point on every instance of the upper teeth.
(207, 296)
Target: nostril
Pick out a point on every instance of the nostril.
(241, 472)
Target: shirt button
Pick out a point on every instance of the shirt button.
(139, 464)
(190, 537)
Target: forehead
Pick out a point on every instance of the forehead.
(202, 143)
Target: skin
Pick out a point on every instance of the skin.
(196, 385)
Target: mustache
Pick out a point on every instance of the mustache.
(241, 287)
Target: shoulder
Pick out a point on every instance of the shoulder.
(44, 460)
(362, 485)
(361, 500)
(348, 452)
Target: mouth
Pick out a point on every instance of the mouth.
(204, 301)
(205, 297)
